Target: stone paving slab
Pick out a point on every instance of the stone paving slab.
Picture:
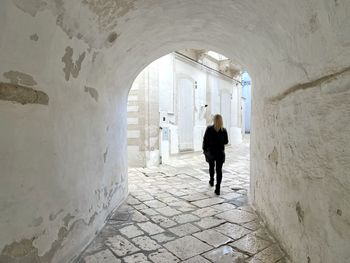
(250, 244)
(185, 218)
(150, 228)
(136, 258)
(136, 216)
(168, 211)
(164, 237)
(209, 222)
(224, 207)
(208, 202)
(187, 247)
(196, 259)
(184, 230)
(232, 230)
(264, 234)
(163, 221)
(173, 215)
(253, 225)
(205, 212)
(237, 216)
(163, 256)
(212, 237)
(149, 212)
(104, 256)
(145, 243)
(270, 254)
(194, 197)
(225, 254)
(131, 231)
(121, 246)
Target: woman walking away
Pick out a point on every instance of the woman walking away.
(214, 141)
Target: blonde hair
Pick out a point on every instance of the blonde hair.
(218, 122)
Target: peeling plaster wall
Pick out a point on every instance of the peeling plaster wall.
(62, 157)
(66, 161)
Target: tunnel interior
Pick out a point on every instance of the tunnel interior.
(67, 67)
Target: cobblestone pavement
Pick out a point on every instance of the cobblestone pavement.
(173, 215)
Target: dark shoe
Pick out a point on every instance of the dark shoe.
(211, 182)
(217, 191)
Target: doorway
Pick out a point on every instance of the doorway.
(185, 114)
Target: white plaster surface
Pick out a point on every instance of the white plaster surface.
(52, 157)
(171, 78)
(236, 135)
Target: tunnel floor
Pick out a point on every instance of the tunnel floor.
(173, 215)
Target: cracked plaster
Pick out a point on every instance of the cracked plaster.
(39, 157)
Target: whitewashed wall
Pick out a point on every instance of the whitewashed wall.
(68, 158)
(218, 92)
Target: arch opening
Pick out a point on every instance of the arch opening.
(173, 100)
(297, 52)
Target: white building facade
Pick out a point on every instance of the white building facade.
(171, 103)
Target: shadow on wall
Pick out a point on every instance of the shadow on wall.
(53, 147)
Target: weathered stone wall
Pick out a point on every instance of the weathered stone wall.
(301, 167)
(143, 118)
(62, 132)
(63, 162)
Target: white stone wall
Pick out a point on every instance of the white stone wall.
(143, 106)
(220, 93)
(66, 156)
(62, 162)
(186, 69)
(135, 120)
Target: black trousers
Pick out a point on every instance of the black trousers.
(218, 164)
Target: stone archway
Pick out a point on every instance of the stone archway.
(296, 51)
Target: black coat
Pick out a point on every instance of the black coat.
(214, 144)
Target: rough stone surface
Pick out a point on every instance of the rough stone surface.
(250, 244)
(145, 243)
(131, 231)
(163, 221)
(196, 259)
(104, 256)
(20, 78)
(232, 230)
(22, 94)
(72, 68)
(168, 211)
(150, 228)
(208, 202)
(163, 256)
(94, 94)
(225, 254)
(31, 7)
(185, 218)
(136, 258)
(237, 216)
(205, 239)
(34, 37)
(184, 230)
(283, 45)
(187, 247)
(212, 237)
(164, 237)
(270, 254)
(120, 246)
